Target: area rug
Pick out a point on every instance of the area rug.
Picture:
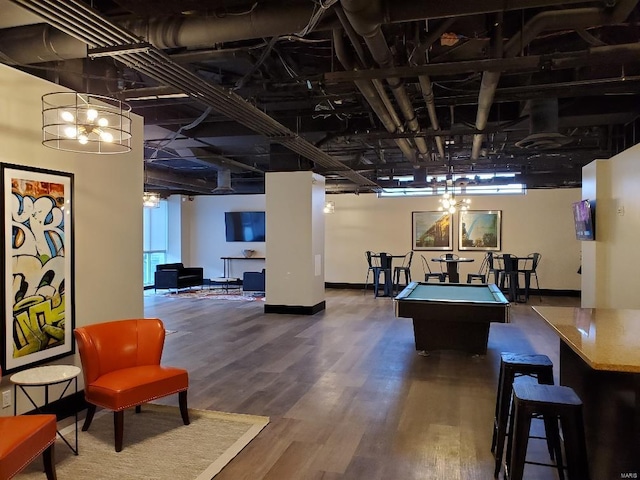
(157, 445)
(216, 294)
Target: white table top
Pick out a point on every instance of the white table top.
(46, 375)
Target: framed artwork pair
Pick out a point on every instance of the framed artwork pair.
(37, 259)
(477, 230)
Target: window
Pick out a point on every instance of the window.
(480, 184)
(155, 239)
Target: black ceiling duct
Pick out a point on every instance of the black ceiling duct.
(543, 126)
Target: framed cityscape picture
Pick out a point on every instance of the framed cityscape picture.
(480, 230)
(432, 231)
(37, 245)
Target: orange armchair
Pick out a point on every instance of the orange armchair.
(22, 439)
(121, 369)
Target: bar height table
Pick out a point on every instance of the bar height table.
(452, 266)
(46, 377)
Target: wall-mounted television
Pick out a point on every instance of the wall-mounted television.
(244, 226)
(584, 220)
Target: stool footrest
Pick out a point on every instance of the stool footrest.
(540, 464)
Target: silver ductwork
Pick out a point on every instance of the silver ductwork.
(224, 183)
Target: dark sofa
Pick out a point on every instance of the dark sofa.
(176, 275)
(253, 281)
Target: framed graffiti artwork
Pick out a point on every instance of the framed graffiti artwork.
(37, 246)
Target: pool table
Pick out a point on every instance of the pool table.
(450, 316)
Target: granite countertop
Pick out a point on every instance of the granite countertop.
(605, 338)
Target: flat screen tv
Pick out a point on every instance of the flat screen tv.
(583, 219)
(244, 226)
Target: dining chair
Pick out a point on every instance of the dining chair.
(404, 268)
(428, 274)
(121, 369)
(483, 271)
(22, 439)
(372, 263)
(529, 270)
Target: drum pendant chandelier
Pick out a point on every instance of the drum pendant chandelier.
(85, 123)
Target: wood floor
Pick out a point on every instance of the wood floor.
(347, 394)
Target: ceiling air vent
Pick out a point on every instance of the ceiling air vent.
(543, 126)
(224, 183)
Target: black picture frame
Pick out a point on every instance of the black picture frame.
(38, 299)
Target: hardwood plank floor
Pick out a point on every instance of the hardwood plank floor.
(347, 394)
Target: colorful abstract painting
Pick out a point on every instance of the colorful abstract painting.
(38, 314)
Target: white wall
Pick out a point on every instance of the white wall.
(540, 221)
(207, 236)
(107, 204)
(611, 259)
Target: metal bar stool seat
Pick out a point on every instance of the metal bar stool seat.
(513, 365)
(554, 403)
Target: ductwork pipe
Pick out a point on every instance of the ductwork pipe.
(355, 42)
(41, 43)
(425, 80)
(371, 96)
(362, 15)
(574, 19)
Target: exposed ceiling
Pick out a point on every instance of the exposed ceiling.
(361, 91)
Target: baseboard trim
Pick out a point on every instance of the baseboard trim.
(534, 292)
(295, 309)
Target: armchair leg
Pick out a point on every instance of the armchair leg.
(91, 410)
(48, 456)
(118, 426)
(182, 399)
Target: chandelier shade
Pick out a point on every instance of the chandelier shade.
(85, 123)
(449, 202)
(151, 199)
(329, 207)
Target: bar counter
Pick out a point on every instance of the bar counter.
(600, 360)
(605, 338)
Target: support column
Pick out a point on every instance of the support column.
(294, 243)
(595, 277)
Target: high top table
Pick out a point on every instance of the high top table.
(452, 266)
(600, 360)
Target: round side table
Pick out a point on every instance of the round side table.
(45, 377)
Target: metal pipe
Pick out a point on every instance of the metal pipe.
(577, 18)
(359, 14)
(372, 97)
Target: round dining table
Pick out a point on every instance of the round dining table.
(452, 266)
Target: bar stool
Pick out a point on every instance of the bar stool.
(513, 365)
(553, 402)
